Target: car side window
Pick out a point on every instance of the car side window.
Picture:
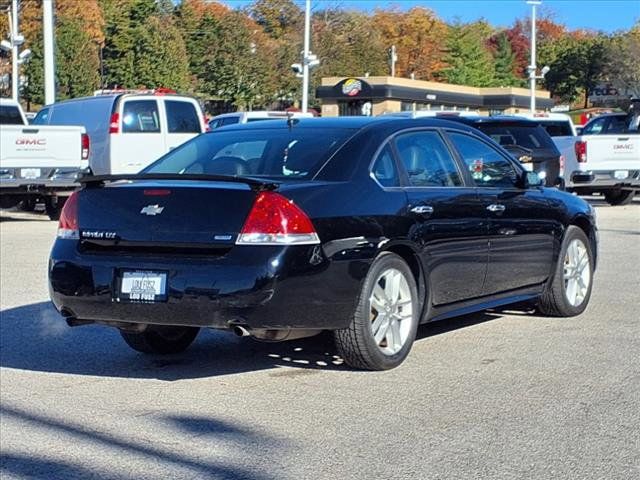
(594, 127)
(182, 117)
(617, 125)
(140, 116)
(487, 167)
(384, 169)
(427, 160)
(228, 121)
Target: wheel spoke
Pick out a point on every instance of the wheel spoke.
(390, 338)
(381, 332)
(392, 285)
(395, 328)
(379, 293)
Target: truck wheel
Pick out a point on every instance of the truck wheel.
(161, 340)
(53, 207)
(569, 289)
(619, 197)
(385, 322)
(28, 204)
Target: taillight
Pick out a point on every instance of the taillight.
(581, 151)
(276, 220)
(68, 224)
(86, 143)
(562, 162)
(207, 128)
(114, 123)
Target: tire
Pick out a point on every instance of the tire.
(28, 204)
(619, 197)
(568, 292)
(53, 207)
(161, 340)
(356, 343)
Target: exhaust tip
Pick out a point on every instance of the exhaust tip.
(241, 331)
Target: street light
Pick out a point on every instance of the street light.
(309, 60)
(532, 68)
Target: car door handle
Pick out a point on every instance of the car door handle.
(496, 207)
(422, 209)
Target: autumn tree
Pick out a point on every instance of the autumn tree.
(419, 39)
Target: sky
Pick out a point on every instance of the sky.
(605, 15)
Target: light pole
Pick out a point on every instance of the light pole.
(532, 68)
(393, 58)
(49, 58)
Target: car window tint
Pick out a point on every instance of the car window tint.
(487, 167)
(10, 115)
(427, 160)
(557, 129)
(228, 121)
(528, 136)
(275, 153)
(594, 127)
(140, 116)
(616, 125)
(384, 169)
(182, 117)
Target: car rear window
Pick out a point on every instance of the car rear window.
(140, 116)
(273, 153)
(182, 117)
(533, 137)
(557, 129)
(10, 115)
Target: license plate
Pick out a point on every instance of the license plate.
(30, 173)
(141, 286)
(528, 167)
(621, 174)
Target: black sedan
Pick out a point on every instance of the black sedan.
(283, 229)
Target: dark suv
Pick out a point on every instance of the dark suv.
(526, 140)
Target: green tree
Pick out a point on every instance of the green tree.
(77, 60)
(277, 17)
(578, 68)
(623, 66)
(468, 61)
(143, 47)
(504, 59)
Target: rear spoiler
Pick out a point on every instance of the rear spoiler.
(90, 180)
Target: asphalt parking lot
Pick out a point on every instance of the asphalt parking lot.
(506, 395)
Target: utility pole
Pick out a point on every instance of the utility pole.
(393, 58)
(15, 79)
(49, 58)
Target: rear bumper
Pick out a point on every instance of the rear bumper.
(51, 179)
(605, 178)
(257, 287)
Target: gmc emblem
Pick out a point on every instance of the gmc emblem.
(31, 141)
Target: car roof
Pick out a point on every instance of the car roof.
(355, 123)
(494, 120)
(8, 102)
(116, 96)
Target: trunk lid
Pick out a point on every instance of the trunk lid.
(170, 213)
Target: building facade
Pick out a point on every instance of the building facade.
(378, 95)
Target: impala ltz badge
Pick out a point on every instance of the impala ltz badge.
(152, 209)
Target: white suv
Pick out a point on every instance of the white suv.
(247, 117)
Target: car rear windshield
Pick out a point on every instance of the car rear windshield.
(273, 153)
(533, 137)
(557, 129)
(10, 115)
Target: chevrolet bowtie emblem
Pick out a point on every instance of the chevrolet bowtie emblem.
(152, 209)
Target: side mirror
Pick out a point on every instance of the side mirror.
(532, 179)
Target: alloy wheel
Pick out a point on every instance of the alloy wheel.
(577, 272)
(391, 311)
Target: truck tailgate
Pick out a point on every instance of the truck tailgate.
(612, 152)
(41, 146)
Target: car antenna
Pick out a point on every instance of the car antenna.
(290, 120)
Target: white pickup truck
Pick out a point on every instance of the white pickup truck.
(608, 158)
(38, 162)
